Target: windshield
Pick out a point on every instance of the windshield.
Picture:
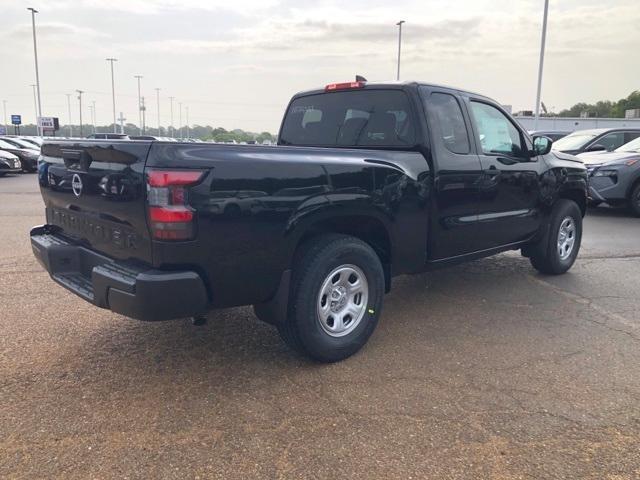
(574, 141)
(19, 143)
(632, 146)
(4, 144)
(371, 118)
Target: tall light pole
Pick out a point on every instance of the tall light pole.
(35, 104)
(173, 130)
(187, 112)
(541, 65)
(4, 108)
(399, 24)
(180, 117)
(113, 94)
(69, 108)
(139, 104)
(158, 107)
(35, 54)
(80, 92)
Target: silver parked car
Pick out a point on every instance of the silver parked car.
(614, 177)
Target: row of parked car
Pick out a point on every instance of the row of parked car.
(612, 157)
(19, 154)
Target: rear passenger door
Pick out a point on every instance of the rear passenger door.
(508, 206)
(458, 177)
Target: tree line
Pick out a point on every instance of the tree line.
(603, 108)
(201, 132)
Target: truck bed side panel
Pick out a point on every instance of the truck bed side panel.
(255, 202)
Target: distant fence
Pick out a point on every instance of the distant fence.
(570, 124)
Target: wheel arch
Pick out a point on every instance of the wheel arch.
(577, 195)
(369, 228)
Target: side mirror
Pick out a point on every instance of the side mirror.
(541, 145)
(597, 148)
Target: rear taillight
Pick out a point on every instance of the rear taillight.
(170, 216)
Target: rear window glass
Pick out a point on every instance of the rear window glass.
(374, 118)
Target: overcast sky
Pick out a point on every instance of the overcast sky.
(236, 63)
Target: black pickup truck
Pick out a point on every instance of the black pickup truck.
(368, 181)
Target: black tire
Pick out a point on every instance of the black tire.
(634, 200)
(317, 258)
(546, 256)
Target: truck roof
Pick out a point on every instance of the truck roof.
(396, 84)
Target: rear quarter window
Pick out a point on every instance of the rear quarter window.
(365, 118)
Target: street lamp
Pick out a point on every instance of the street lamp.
(35, 54)
(80, 92)
(139, 103)
(113, 94)
(541, 65)
(6, 125)
(180, 110)
(399, 24)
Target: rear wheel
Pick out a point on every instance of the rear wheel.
(559, 249)
(634, 200)
(336, 298)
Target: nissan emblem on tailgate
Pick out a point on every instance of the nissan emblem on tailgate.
(76, 185)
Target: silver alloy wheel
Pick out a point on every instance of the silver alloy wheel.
(566, 237)
(342, 301)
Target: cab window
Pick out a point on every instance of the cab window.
(497, 135)
(450, 122)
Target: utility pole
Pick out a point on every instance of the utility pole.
(69, 107)
(139, 104)
(80, 92)
(113, 94)
(35, 54)
(187, 112)
(173, 130)
(158, 107)
(35, 105)
(541, 64)
(399, 24)
(180, 109)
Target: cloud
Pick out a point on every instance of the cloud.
(53, 31)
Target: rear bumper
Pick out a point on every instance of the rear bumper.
(131, 290)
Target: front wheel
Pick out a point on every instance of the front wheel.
(559, 249)
(336, 298)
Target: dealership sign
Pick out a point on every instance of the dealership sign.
(49, 124)
(16, 119)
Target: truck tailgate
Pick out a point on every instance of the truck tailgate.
(95, 192)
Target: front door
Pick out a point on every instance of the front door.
(508, 206)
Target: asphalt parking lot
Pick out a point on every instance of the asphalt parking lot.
(487, 370)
